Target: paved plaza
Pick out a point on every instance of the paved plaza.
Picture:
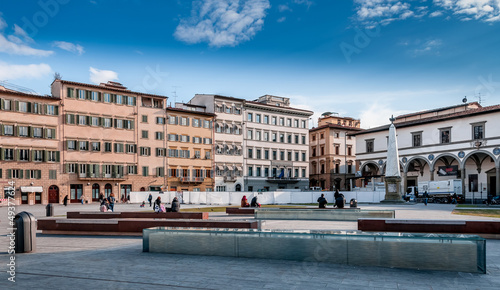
(107, 262)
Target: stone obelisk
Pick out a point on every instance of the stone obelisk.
(392, 173)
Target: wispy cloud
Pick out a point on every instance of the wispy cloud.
(377, 114)
(17, 43)
(17, 71)
(68, 46)
(98, 76)
(428, 47)
(281, 19)
(223, 22)
(374, 12)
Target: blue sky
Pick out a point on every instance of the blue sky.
(363, 59)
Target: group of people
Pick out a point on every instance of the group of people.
(339, 200)
(159, 207)
(253, 203)
(107, 203)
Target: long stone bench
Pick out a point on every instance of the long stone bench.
(128, 226)
(240, 210)
(320, 214)
(152, 215)
(463, 253)
(485, 228)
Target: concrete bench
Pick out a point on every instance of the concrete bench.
(129, 226)
(240, 210)
(411, 251)
(152, 215)
(486, 229)
(320, 214)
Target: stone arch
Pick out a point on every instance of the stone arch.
(464, 160)
(414, 158)
(367, 163)
(433, 164)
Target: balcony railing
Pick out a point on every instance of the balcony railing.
(229, 178)
(192, 179)
(282, 179)
(101, 176)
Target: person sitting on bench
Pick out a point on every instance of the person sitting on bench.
(254, 202)
(322, 202)
(244, 201)
(176, 206)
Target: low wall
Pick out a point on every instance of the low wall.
(320, 214)
(269, 197)
(416, 251)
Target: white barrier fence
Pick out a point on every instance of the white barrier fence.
(269, 197)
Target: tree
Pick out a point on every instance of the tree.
(57, 76)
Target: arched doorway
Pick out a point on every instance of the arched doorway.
(108, 189)
(480, 175)
(143, 189)
(238, 187)
(53, 194)
(95, 192)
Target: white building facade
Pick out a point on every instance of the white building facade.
(276, 151)
(228, 139)
(457, 142)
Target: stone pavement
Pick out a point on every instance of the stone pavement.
(106, 262)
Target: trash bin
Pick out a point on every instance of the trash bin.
(353, 203)
(49, 210)
(25, 232)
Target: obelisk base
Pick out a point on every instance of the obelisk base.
(392, 191)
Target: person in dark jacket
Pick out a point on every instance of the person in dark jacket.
(254, 202)
(65, 200)
(176, 206)
(322, 202)
(157, 205)
(150, 199)
(101, 198)
(111, 201)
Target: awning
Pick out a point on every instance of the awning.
(230, 168)
(239, 168)
(220, 167)
(238, 127)
(220, 124)
(238, 147)
(31, 189)
(230, 147)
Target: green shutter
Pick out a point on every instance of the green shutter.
(101, 121)
(132, 125)
(28, 107)
(97, 169)
(2, 130)
(27, 174)
(58, 156)
(39, 174)
(66, 168)
(103, 169)
(1, 104)
(2, 154)
(45, 109)
(88, 120)
(16, 157)
(45, 156)
(56, 110)
(53, 133)
(30, 131)
(33, 155)
(9, 173)
(88, 95)
(68, 93)
(21, 173)
(88, 170)
(16, 131)
(77, 120)
(99, 97)
(17, 106)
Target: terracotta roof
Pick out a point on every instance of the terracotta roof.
(436, 110)
(335, 126)
(189, 111)
(15, 93)
(114, 88)
(225, 97)
(457, 115)
(279, 107)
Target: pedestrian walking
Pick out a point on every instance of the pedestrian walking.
(65, 200)
(111, 201)
(150, 199)
(426, 197)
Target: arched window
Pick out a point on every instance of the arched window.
(108, 189)
(143, 189)
(95, 191)
(238, 187)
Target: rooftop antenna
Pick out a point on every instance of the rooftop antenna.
(175, 93)
(479, 98)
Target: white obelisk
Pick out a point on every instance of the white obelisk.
(392, 173)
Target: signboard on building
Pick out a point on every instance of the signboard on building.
(451, 170)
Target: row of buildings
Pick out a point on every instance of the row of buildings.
(83, 140)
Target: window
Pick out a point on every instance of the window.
(7, 105)
(183, 138)
(296, 123)
(257, 118)
(130, 148)
(296, 139)
(81, 94)
(8, 130)
(478, 131)
(322, 136)
(70, 119)
(289, 122)
(313, 152)
(108, 122)
(282, 155)
(107, 98)
(266, 154)
(250, 170)
(38, 155)
(118, 124)
(107, 146)
(196, 123)
(416, 139)
(289, 138)
(51, 110)
(157, 104)
(24, 155)
(197, 154)
(71, 145)
(160, 120)
(250, 117)
(96, 146)
(145, 171)
(94, 121)
(23, 107)
(144, 134)
(303, 173)
(275, 155)
(250, 134)
(303, 139)
(144, 118)
(50, 133)
(313, 137)
(83, 145)
(8, 154)
(208, 154)
(119, 99)
(159, 135)
(445, 135)
(23, 131)
(266, 172)
(303, 124)
(369, 145)
(145, 151)
(94, 96)
(274, 137)
(228, 128)
(266, 119)
(303, 156)
(52, 156)
(266, 136)
(119, 148)
(349, 150)
(257, 171)
(258, 153)
(297, 156)
(206, 124)
(337, 149)
(132, 169)
(289, 155)
(322, 150)
(282, 121)
(184, 121)
(82, 120)
(282, 138)
(273, 120)
(250, 153)
(228, 109)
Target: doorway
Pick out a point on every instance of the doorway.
(108, 189)
(76, 191)
(125, 190)
(493, 186)
(95, 192)
(24, 197)
(53, 194)
(38, 198)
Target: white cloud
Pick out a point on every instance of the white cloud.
(377, 114)
(74, 48)
(436, 14)
(428, 47)
(283, 8)
(223, 22)
(98, 76)
(20, 49)
(281, 19)
(13, 44)
(18, 71)
(485, 10)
